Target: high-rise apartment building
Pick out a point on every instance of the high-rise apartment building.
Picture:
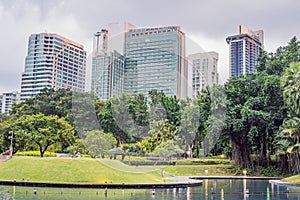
(203, 71)
(7, 100)
(107, 69)
(244, 50)
(155, 58)
(53, 61)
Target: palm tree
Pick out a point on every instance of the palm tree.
(288, 143)
(290, 136)
(291, 84)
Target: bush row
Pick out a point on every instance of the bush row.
(203, 161)
(35, 153)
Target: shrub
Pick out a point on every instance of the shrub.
(269, 171)
(206, 161)
(239, 171)
(35, 153)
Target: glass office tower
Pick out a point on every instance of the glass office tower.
(107, 69)
(154, 58)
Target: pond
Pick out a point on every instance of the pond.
(211, 189)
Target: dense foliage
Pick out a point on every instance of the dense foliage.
(251, 119)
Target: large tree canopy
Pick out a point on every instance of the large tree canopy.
(42, 130)
(99, 143)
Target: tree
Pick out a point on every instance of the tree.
(121, 110)
(215, 122)
(288, 140)
(255, 111)
(99, 143)
(84, 111)
(167, 149)
(49, 102)
(189, 125)
(203, 102)
(160, 131)
(20, 138)
(42, 130)
(291, 84)
(276, 63)
(140, 115)
(287, 144)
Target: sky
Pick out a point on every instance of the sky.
(205, 23)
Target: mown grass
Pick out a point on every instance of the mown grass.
(199, 170)
(121, 167)
(80, 170)
(292, 179)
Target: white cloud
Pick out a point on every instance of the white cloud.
(207, 23)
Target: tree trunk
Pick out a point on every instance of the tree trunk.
(294, 161)
(241, 155)
(263, 152)
(41, 151)
(282, 162)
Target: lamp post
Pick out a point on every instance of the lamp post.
(11, 140)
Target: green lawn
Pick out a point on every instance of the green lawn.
(292, 179)
(198, 170)
(82, 170)
(121, 167)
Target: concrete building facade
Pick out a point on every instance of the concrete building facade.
(203, 71)
(53, 61)
(7, 100)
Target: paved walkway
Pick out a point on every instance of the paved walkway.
(111, 186)
(279, 182)
(235, 177)
(184, 179)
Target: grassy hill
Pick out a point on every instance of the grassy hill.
(292, 179)
(80, 170)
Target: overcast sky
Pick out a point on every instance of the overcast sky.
(206, 24)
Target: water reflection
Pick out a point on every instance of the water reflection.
(246, 190)
(211, 190)
(189, 195)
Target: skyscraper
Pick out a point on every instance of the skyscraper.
(155, 58)
(203, 71)
(116, 36)
(107, 68)
(108, 61)
(7, 100)
(53, 61)
(244, 50)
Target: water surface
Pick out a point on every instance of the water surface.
(211, 189)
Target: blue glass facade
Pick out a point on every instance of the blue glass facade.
(100, 76)
(154, 58)
(244, 50)
(107, 75)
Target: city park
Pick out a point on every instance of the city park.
(249, 127)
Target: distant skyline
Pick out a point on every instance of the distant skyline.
(205, 23)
